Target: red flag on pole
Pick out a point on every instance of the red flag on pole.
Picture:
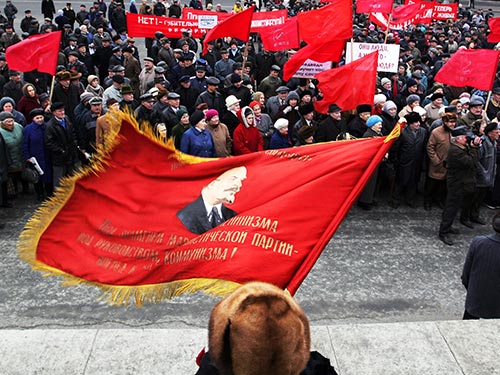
(494, 25)
(113, 226)
(236, 26)
(405, 12)
(369, 6)
(330, 22)
(463, 67)
(321, 52)
(280, 37)
(349, 85)
(38, 52)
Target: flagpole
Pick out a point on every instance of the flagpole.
(352, 48)
(52, 88)
(387, 30)
(244, 61)
(487, 101)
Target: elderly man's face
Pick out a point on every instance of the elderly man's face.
(228, 184)
(476, 110)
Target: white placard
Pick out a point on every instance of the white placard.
(207, 22)
(388, 55)
(310, 68)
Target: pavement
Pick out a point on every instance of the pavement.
(440, 348)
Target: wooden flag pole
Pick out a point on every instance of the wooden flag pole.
(52, 88)
(487, 101)
(387, 30)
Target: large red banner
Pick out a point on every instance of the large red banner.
(199, 21)
(428, 11)
(140, 224)
(260, 20)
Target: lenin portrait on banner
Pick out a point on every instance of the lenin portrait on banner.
(209, 209)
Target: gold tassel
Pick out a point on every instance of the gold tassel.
(113, 294)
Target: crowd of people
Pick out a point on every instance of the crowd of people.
(232, 100)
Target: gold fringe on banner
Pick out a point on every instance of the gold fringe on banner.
(113, 294)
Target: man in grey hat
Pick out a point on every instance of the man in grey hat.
(274, 103)
(476, 112)
(114, 90)
(460, 181)
(270, 84)
(212, 97)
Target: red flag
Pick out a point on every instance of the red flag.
(322, 52)
(38, 52)
(330, 22)
(114, 226)
(494, 25)
(236, 26)
(280, 37)
(470, 67)
(405, 12)
(349, 85)
(369, 6)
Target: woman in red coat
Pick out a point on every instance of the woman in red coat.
(246, 136)
(28, 102)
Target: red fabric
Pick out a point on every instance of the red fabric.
(368, 6)
(280, 37)
(405, 12)
(475, 68)
(349, 85)
(494, 25)
(119, 226)
(236, 26)
(247, 140)
(38, 52)
(322, 52)
(330, 22)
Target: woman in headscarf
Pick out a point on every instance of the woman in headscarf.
(29, 101)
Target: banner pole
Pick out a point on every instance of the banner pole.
(52, 88)
(387, 30)
(487, 101)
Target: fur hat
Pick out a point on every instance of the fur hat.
(490, 127)
(413, 117)
(304, 109)
(389, 105)
(196, 117)
(281, 123)
(385, 80)
(379, 98)
(412, 99)
(5, 115)
(259, 329)
(362, 108)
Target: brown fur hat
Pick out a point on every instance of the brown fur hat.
(259, 330)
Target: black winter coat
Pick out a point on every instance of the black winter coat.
(61, 142)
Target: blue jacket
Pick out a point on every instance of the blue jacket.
(198, 143)
(278, 140)
(34, 146)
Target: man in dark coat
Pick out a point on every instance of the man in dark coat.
(48, 8)
(208, 210)
(460, 180)
(409, 154)
(102, 56)
(14, 88)
(61, 142)
(481, 275)
(66, 93)
(187, 93)
(331, 127)
(212, 97)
